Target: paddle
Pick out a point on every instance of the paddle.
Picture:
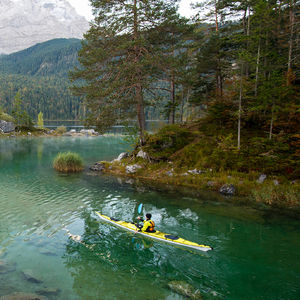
(140, 208)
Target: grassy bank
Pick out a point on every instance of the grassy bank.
(192, 157)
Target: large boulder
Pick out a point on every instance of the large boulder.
(7, 126)
(122, 156)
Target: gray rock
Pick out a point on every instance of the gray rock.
(261, 178)
(98, 167)
(7, 126)
(227, 189)
(142, 154)
(184, 289)
(122, 156)
(73, 131)
(195, 172)
(210, 183)
(170, 173)
(276, 182)
(131, 169)
(23, 296)
(29, 276)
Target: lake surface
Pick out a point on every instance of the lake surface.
(256, 255)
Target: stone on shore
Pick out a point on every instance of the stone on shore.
(131, 169)
(227, 189)
(98, 167)
(261, 178)
(7, 127)
(122, 156)
(142, 154)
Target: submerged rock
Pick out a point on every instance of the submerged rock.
(227, 189)
(29, 276)
(185, 289)
(132, 168)
(6, 267)
(49, 291)
(23, 296)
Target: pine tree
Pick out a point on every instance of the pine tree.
(118, 60)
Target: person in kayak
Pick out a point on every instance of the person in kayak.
(149, 225)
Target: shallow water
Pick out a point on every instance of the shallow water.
(256, 255)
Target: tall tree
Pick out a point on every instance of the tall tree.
(118, 60)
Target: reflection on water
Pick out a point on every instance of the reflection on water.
(254, 257)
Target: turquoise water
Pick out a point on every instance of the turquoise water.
(256, 255)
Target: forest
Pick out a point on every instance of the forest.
(40, 75)
(235, 62)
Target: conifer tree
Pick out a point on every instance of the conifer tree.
(118, 60)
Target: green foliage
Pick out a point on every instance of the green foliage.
(55, 57)
(22, 119)
(167, 141)
(68, 162)
(5, 117)
(61, 129)
(48, 94)
(40, 121)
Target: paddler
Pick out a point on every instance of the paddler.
(149, 225)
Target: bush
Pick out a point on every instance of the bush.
(61, 129)
(5, 117)
(167, 141)
(68, 162)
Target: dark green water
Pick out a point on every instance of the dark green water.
(255, 256)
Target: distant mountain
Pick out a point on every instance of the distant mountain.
(56, 57)
(24, 23)
(40, 74)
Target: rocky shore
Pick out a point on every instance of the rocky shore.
(237, 186)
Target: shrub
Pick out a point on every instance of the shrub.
(61, 129)
(167, 141)
(68, 162)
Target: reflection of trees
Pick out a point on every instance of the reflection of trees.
(107, 264)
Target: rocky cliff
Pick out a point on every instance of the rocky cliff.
(24, 23)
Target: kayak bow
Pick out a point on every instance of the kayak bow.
(158, 235)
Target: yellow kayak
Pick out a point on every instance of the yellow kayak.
(158, 235)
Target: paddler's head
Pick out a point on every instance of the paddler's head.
(148, 216)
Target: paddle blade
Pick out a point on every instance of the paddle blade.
(140, 208)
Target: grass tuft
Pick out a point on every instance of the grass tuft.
(68, 162)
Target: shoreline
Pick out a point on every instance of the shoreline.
(281, 198)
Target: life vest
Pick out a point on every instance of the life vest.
(149, 226)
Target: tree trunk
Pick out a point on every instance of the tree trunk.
(172, 111)
(240, 109)
(292, 22)
(138, 88)
(257, 69)
(271, 124)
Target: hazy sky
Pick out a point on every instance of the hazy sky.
(83, 8)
